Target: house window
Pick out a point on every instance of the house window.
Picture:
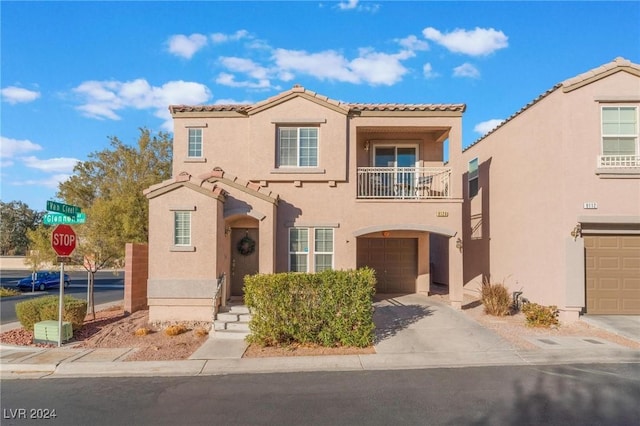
(473, 178)
(298, 146)
(182, 228)
(619, 131)
(323, 249)
(300, 253)
(195, 143)
(298, 249)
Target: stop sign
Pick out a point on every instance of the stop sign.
(63, 240)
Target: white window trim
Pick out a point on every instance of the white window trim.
(291, 253)
(332, 252)
(195, 157)
(280, 166)
(182, 246)
(636, 135)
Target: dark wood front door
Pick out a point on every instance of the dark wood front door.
(242, 264)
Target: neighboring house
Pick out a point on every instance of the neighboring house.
(552, 197)
(301, 182)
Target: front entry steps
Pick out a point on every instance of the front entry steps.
(232, 322)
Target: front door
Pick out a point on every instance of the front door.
(244, 257)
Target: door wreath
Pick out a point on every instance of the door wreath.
(246, 246)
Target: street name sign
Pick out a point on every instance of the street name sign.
(63, 240)
(67, 209)
(60, 218)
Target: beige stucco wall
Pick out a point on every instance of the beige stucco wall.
(536, 173)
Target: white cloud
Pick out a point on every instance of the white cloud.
(466, 70)
(427, 71)
(14, 95)
(52, 181)
(226, 79)
(186, 46)
(477, 42)
(10, 148)
(356, 5)
(246, 66)
(486, 126)
(223, 38)
(370, 67)
(103, 99)
(51, 165)
(413, 43)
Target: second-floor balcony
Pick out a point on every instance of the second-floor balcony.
(403, 182)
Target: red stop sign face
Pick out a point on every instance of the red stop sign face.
(63, 240)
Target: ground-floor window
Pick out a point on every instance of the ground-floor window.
(301, 248)
(182, 228)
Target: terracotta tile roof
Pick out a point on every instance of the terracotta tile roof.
(571, 84)
(347, 107)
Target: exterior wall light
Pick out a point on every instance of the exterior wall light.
(459, 244)
(366, 145)
(576, 232)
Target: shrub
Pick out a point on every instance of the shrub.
(7, 292)
(540, 315)
(142, 331)
(174, 330)
(200, 332)
(46, 308)
(330, 308)
(495, 298)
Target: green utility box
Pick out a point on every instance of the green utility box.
(47, 332)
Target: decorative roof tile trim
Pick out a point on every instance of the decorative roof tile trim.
(298, 90)
(212, 191)
(252, 188)
(572, 83)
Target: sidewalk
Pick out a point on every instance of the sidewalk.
(411, 334)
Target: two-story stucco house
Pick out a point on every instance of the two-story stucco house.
(301, 182)
(552, 196)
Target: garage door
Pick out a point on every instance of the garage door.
(395, 261)
(612, 274)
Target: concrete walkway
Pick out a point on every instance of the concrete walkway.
(412, 332)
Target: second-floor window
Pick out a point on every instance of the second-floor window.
(195, 143)
(473, 178)
(620, 131)
(297, 146)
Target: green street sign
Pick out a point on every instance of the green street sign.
(59, 218)
(66, 209)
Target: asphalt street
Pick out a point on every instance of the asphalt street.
(108, 287)
(524, 395)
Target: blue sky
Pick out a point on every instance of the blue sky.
(75, 73)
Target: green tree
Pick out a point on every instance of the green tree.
(16, 219)
(40, 252)
(109, 189)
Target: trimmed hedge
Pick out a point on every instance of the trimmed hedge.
(46, 308)
(329, 308)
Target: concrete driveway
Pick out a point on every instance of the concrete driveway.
(623, 325)
(413, 323)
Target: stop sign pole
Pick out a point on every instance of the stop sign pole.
(63, 242)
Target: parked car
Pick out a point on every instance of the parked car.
(43, 280)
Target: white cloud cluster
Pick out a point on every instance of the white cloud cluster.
(185, 46)
(15, 95)
(486, 126)
(477, 42)
(12, 150)
(357, 5)
(103, 99)
(466, 70)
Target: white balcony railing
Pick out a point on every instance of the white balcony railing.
(618, 161)
(403, 182)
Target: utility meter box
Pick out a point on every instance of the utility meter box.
(47, 332)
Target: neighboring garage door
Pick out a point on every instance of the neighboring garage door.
(395, 261)
(612, 274)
